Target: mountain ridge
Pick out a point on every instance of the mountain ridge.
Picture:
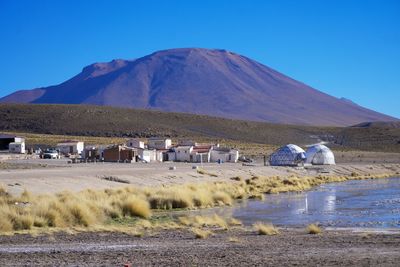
(201, 81)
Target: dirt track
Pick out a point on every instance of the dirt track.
(180, 248)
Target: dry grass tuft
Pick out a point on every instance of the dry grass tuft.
(233, 240)
(265, 229)
(205, 221)
(200, 233)
(222, 198)
(234, 222)
(134, 206)
(5, 223)
(313, 229)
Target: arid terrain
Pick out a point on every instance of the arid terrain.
(178, 246)
(238, 247)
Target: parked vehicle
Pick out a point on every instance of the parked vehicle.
(51, 154)
(246, 160)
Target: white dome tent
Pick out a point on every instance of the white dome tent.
(319, 155)
(289, 155)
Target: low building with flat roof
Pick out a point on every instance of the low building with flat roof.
(6, 139)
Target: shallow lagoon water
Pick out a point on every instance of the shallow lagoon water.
(364, 203)
(373, 203)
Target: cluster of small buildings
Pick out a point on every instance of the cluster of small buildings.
(134, 150)
(160, 150)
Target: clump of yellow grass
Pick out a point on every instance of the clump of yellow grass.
(135, 206)
(313, 229)
(205, 221)
(265, 229)
(201, 233)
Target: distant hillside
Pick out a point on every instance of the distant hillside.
(123, 122)
(379, 124)
(201, 81)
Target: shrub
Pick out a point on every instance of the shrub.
(265, 229)
(81, 215)
(22, 222)
(200, 233)
(134, 206)
(313, 229)
(39, 222)
(234, 222)
(171, 199)
(223, 198)
(5, 223)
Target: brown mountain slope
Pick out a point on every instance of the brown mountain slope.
(84, 120)
(201, 81)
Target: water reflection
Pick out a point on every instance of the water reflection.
(368, 203)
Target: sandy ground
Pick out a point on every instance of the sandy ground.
(60, 176)
(180, 248)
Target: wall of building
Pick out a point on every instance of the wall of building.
(159, 143)
(71, 148)
(224, 155)
(115, 155)
(183, 154)
(135, 143)
(201, 158)
(17, 148)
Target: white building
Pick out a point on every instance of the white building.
(159, 143)
(17, 147)
(220, 154)
(191, 153)
(6, 139)
(182, 153)
(161, 155)
(71, 147)
(201, 153)
(135, 143)
(289, 155)
(319, 155)
(147, 155)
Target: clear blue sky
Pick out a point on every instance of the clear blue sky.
(345, 48)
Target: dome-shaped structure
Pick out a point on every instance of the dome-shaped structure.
(289, 155)
(319, 155)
